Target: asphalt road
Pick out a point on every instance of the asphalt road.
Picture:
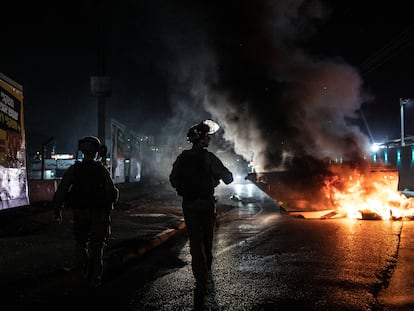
(266, 260)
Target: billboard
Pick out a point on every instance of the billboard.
(135, 157)
(13, 173)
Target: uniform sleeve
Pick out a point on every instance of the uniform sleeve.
(111, 190)
(219, 170)
(174, 181)
(63, 188)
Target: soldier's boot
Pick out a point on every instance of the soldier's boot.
(200, 294)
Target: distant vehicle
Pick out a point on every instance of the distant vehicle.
(13, 172)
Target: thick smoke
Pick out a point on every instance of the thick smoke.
(275, 101)
(244, 64)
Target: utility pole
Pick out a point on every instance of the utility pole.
(100, 83)
(403, 102)
(100, 87)
(103, 92)
(44, 145)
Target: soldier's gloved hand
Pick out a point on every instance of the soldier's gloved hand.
(58, 216)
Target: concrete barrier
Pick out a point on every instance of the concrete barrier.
(42, 190)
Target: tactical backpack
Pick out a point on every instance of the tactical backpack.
(88, 187)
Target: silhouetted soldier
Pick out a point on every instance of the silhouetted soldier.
(88, 189)
(195, 174)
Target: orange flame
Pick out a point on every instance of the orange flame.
(368, 194)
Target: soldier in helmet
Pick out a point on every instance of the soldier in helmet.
(195, 174)
(87, 188)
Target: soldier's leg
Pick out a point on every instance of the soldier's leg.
(208, 224)
(194, 229)
(81, 223)
(97, 244)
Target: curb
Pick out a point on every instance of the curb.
(121, 258)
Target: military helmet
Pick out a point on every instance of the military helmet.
(89, 144)
(200, 130)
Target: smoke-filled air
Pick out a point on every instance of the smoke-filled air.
(276, 102)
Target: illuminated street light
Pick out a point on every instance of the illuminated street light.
(374, 147)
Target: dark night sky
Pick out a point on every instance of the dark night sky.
(250, 64)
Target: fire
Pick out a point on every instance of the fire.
(370, 193)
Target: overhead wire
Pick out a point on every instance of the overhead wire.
(388, 51)
(383, 55)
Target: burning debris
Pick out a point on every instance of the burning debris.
(368, 194)
(341, 190)
(286, 109)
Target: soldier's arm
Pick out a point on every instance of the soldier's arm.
(220, 171)
(174, 173)
(61, 191)
(110, 189)
(63, 188)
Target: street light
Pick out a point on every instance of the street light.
(403, 102)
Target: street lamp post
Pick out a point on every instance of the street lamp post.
(100, 87)
(100, 84)
(403, 102)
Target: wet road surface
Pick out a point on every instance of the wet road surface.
(267, 260)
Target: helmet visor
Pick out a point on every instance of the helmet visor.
(213, 126)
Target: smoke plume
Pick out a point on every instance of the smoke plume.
(249, 65)
(275, 101)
